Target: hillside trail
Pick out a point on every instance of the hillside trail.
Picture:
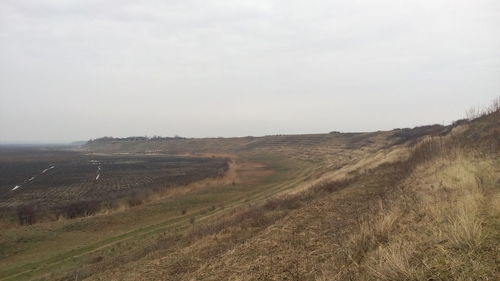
(236, 168)
(292, 246)
(230, 176)
(315, 236)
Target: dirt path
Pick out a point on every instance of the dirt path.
(236, 169)
(309, 234)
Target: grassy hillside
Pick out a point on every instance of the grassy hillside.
(408, 204)
(427, 210)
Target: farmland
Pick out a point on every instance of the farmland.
(51, 179)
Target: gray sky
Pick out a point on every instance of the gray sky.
(74, 70)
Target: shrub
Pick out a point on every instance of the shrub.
(285, 202)
(332, 186)
(80, 209)
(416, 133)
(134, 201)
(26, 215)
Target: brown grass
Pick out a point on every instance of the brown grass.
(429, 213)
(394, 262)
(438, 231)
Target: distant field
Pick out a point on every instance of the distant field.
(48, 179)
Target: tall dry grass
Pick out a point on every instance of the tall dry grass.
(437, 224)
(394, 262)
(465, 226)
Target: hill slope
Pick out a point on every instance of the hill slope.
(424, 210)
(407, 204)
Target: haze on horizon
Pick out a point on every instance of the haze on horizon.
(75, 70)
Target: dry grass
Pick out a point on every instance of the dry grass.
(395, 262)
(437, 225)
(465, 226)
(440, 233)
(428, 219)
(428, 213)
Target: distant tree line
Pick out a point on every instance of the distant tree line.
(135, 138)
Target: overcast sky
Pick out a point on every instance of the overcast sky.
(74, 70)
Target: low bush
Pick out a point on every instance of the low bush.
(26, 215)
(134, 201)
(80, 209)
(333, 186)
